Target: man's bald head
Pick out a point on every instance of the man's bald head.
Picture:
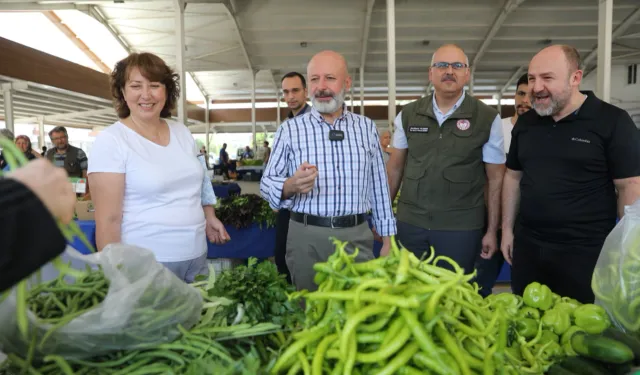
(328, 81)
(449, 70)
(554, 78)
(561, 52)
(330, 58)
(447, 47)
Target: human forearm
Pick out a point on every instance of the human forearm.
(108, 231)
(510, 201)
(495, 174)
(627, 195)
(209, 211)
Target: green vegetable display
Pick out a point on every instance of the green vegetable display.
(16, 159)
(244, 210)
(527, 327)
(396, 315)
(557, 320)
(261, 290)
(538, 296)
(591, 318)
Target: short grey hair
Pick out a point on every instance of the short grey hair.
(4, 132)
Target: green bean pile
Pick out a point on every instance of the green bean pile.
(190, 355)
(16, 159)
(395, 315)
(58, 301)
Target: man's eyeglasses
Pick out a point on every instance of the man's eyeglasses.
(445, 65)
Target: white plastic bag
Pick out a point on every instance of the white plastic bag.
(616, 278)
(144, 305)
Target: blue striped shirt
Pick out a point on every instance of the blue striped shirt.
(351, 173)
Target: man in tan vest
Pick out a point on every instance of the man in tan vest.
(447, 147)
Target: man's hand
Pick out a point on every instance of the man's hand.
(301, 182)
(507, 245)
(216, 231)
(376, 236)
(386, 246)
(51, 185)
(489, 245)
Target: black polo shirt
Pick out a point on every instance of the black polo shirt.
(567, 194)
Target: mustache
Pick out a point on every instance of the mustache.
(324, 93)
(540, 94)
(523, 106)
(448, 77)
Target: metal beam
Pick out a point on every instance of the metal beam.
(230, 11)
(66, 116)
(365, 32)
(203, 91)
(9, 121)
(605, 21)
(508, 7)
(391, 62)
(96, 13)
(179, 6)
(36, 7)
(514, 77)
(75, 39)
(615, 34)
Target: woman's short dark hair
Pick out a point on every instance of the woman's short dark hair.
(152, 68)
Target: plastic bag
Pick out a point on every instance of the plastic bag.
(144, 305)
(616, 278)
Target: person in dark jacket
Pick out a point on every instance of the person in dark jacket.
(32, 200)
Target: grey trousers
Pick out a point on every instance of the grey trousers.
(307, 245)
(188, 270)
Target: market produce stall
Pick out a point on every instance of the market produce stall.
(226, 189)
(391, 315)
(250, 169)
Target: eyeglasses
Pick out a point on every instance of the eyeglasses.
(445, 65)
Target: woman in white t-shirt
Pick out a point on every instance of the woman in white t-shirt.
(148, 186)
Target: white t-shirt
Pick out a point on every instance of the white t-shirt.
(162, 207)
(507, 127)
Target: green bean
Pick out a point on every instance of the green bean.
(400, 360)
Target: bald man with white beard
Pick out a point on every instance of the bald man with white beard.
(327, 168)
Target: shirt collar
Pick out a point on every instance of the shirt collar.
(302, 111)
(315, 114)
(455, 106)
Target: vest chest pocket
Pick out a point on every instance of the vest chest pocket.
(410, 192)
(462, 184)
(420, 137)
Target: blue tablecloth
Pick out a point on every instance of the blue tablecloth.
(245, 243)
(225, 190)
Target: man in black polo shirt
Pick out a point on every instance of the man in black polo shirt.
(294, 90)
(567, 158)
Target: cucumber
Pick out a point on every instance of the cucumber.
(631, 341)
(601, 348)
(624, 369)
(584, 366)
(559, 370)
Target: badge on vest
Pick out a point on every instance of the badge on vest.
(418, 129)
(463, 124)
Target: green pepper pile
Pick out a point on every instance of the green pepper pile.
(545, 328)
(394, 315)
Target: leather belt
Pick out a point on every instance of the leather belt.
(334, 222)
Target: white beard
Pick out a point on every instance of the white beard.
(332, 105)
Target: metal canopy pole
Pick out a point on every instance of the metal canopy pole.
(8, 109)
(41, 132)
(362, 91)
(391, 60)
(605, 38)
(253, 109)
(471, 83)
(179, 25)
(278, 116)
(208, 123)
(500, 104)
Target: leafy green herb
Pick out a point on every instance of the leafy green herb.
(243, 210)
(262, 291)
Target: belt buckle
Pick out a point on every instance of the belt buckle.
(332, 224)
